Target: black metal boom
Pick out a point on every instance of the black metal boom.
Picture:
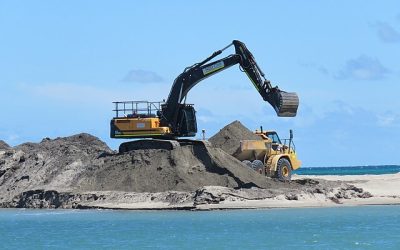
(181, 118)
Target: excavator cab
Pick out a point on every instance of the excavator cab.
(187, 125)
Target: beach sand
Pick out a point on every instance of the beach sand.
(383, 188)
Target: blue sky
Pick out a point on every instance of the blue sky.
(62, 63)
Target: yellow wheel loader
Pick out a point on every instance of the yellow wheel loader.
(270, 156)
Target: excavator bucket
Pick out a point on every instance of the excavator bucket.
(289, 102)
(284, 103)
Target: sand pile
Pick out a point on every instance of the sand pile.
(185, 168)
(3, 145)
(229, 137)
(83, 163)
(80, 171)
(53, 164)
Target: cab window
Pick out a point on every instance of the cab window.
(274, 137)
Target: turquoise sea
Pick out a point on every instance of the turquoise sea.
(367, 227)
(354, 170)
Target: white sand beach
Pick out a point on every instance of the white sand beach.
(383, 189)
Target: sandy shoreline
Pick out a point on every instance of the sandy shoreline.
(339, 191)
(377, 185)
(383, 188)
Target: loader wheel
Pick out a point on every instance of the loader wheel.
(258, 166)
(283, 170)
(247, 163)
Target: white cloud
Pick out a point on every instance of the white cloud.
(142, 76)
(12, 139)
(306, 116)
(93, 95)
(362, 68)
(311, 65)
(69, 92)
(206, 116)
(388, 120)
(387, 33)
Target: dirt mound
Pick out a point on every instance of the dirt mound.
(229, 137)
(80, 143)
(83, 163)
(184, 168)
(50, 163)
(80, 171)
(4, 145)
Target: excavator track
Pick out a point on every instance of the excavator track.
(185, 142)
(288, 104)
(160, 144)
(148, 144)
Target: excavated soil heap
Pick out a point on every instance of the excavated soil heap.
(229, 137)
(53, 164)
(69, 172)
(185, 168)
(83, 163)
(3, 145)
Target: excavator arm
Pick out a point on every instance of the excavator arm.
(284, 103)
(180, 117)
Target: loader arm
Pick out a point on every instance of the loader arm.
(284, 103)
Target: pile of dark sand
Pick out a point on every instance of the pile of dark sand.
(83, 163)
(229, 137)
(185, 168)
(3, 145)
(53, 164)
(64, 172)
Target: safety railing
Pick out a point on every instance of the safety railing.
(286, 142)
(136, 109)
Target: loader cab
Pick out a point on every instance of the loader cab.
(270, 137)
(273, 136)
(276, 142)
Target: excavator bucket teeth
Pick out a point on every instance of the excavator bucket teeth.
(287, 104)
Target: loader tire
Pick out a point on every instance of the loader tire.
(258, 166)
(283, 170)
(247, 163)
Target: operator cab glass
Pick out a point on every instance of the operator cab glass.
(274, 137)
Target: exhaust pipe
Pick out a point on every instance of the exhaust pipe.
(290, 138)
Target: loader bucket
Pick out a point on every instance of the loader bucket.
(284, 103)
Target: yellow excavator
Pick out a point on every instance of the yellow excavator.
(174, 118)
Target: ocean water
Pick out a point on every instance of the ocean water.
(355, 170)
(367, 227)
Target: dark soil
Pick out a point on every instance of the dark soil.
(60, 172)
(229, 137)
(3, 145)
(82, 163)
